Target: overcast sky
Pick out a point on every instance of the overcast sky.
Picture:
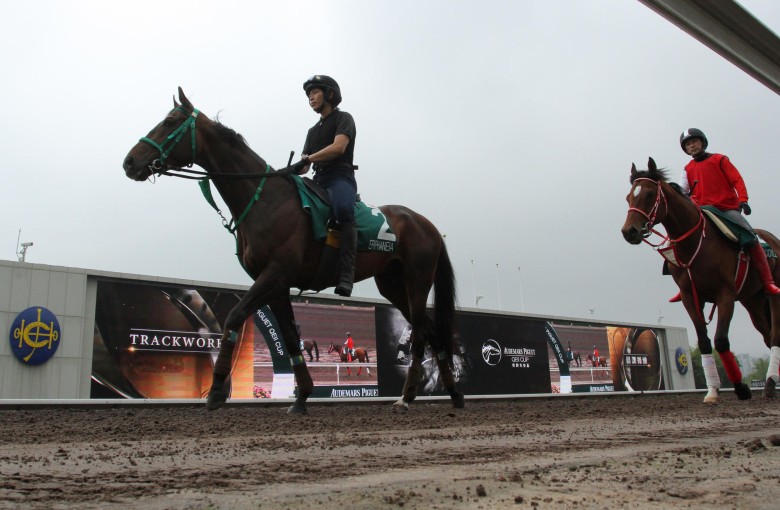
(512, 125)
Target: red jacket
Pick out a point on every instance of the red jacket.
(719, 182)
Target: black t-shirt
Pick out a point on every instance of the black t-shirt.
(324, 132)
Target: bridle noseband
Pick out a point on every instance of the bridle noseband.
(159, 166)
(648, 229)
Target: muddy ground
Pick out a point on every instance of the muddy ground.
(641, 452)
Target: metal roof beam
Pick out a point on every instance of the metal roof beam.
(731, 31)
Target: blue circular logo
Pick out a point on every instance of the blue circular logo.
(35, 335)
(681, 360)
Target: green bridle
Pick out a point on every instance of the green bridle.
(172, 139)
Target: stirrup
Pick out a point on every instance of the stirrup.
(677, 298)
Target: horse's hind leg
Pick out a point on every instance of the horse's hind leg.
(765, 314)
(390, 285)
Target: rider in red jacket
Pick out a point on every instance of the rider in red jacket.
(713, 180)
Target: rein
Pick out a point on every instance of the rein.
(160, 167)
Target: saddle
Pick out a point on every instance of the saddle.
(374, 233)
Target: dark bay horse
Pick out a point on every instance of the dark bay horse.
(276, 246)
(705, 264)
(310, 346)
(361, 355)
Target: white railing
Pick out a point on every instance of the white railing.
(326, 364)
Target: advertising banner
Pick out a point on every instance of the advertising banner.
(493, 355)
(160, 341)
(608, 358)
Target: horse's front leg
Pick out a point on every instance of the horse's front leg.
(282, 308)
(711, 376)
(254, 298)
(722, 345)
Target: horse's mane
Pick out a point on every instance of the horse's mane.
(658, 175)
(236, 140)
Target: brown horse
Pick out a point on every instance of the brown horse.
(276, 246)
(309, 346)
(703, 264)
(601, 362)
(361, 355)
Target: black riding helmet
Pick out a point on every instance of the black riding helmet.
(327, 84)
(693, 133)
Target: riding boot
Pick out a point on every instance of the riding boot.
(758, 257)
(676, 298)
(347, 251)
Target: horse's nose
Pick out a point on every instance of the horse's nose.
(632, 235)
(128, 163)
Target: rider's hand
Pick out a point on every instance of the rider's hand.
(745, 208)
(299, 167)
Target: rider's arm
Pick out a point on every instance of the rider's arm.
(332, 151)
(683, 182)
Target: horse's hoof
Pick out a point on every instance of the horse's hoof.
(743, 391)
(712, 397)
(400, 406)
(458, 401)
(297, 409)
(216, 399)
(769, 388)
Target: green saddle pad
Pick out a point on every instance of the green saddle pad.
(743, 235)
(374, 232)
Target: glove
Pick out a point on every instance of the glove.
(298, 167)
(744, 208)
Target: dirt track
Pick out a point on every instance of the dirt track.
(647, 452)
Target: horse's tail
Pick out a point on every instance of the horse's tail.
(316, 350)
(444, 300)
(770, 239)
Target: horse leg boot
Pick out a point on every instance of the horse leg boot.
(304, 382)
(413, 377)
(220, 385)
(448, 380)
(711, 377)
(772, 373)
(758, 257)
(734, 374)
(347, 251)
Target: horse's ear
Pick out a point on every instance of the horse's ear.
(651, 165)
(184, 101)
(633, 171)
(175, 103)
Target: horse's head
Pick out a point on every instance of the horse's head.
(332, 347)
(644, 201)
(171, 143)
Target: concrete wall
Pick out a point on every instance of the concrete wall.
(70, 293)
(674, 338)
(66, 293)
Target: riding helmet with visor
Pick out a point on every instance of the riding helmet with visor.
(693, 133)
(327, 84)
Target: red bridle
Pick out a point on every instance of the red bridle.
(667, 243)
(665, 239)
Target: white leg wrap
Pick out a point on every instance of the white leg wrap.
(774, 364)
(710, 371)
